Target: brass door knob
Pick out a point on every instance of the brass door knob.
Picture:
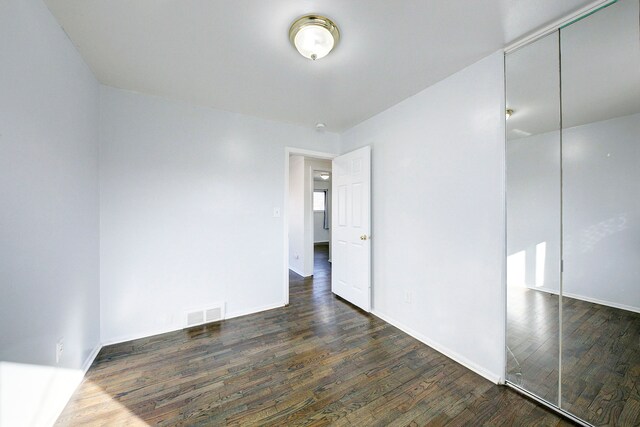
(363, 237)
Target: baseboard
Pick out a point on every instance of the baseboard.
(589, 299)
(601, 302)
(85, 367)
(228, 315)
(545, 290)
(255, 310)
(92, 356)
(298, 272)
(496, 379)
(125, 338)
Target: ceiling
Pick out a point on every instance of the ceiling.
(235, 55)
(600, 57)
(317, 177)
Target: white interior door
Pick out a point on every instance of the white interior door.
(351, 224)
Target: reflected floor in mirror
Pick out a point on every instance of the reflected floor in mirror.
(601, 363)
(533, 341)
(600, 356)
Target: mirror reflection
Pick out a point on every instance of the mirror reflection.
(573, 217)
(601, 216)
(533, 217)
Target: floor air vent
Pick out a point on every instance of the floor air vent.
(213, 314)
(195, 318)
(206, 315)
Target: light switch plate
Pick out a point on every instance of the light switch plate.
(276, 212)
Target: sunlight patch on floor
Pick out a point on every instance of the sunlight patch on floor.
(34, 396)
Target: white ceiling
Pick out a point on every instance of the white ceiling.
(235, 55)
(600, 73)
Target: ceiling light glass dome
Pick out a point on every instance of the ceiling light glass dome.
(314, 36)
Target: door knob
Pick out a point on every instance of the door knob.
(363, 237)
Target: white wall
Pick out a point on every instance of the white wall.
(601, 212)
(320, 235)
(601, 209)
(49, 268)
(187, 199)
(533, 206)
(438, 223)
(296, 214)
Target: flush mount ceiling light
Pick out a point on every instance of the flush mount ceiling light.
(509, 113)
(324, 175)
(314, 36)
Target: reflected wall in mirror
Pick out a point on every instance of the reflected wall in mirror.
(601, 216)
(533, 217)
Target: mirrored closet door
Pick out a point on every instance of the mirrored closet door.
(573, 217)
(533, 217)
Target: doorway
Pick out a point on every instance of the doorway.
(321, 206)
(349, 222)
(307, 213)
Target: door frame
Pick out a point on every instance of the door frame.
(288, 151)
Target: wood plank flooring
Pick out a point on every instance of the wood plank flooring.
(600, 355)
(533, 341)
(318, 361)
(601, 363)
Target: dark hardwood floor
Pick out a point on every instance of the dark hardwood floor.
(533, 341)
(600, 355)
(601, 363)
(318, 361)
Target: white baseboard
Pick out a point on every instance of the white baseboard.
(496, 379)
(298, 272)
(92, 356)
(545, 290)
(254, 310)
(588, 299)
(65, 397)
(228, 315)
(602, 302)
(140, 335)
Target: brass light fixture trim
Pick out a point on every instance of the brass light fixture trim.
(317, 21)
